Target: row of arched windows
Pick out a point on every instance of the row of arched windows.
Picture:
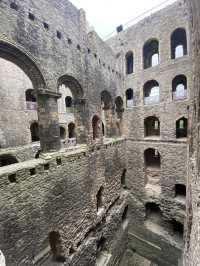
(151, 51)
(151, 91)
(152, 127)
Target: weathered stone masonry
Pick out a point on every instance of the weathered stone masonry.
(94, 138)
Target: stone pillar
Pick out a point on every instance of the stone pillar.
(81, 119)
(49, 129)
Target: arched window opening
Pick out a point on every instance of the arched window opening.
(151, 92)
(178, 228)
(153, 213)
(129, 98)
(106, 100)
(7, 159)
(99, 198)
(68, 102)
(178, 43)
(151, 53)
(71, 131)
(56, 247)
(152, 158)
(31, 102)
(62, 133)
(180, 191)
(34, 132)
(129, 63)
(179, 87)
(123, 178)
(151, 126)
(181, 128)
(96, 127)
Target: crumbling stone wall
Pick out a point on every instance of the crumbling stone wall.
(149, 239)
(192, 247)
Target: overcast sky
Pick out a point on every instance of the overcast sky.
(106, 15)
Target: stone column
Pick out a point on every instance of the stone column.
(81, 119)
(49, 129)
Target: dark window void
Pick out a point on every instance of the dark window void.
(178, 228)
(180, 190)
(101, 243)
(31, 16)
(178, 43)
(151, 54)
(153, 213)
(14, 6)
(58, 34)
(7, 159)
(37, 155)
(119, 105)
(62, 133)
(151, 126)
(151, 92)
(34, 132)
(71, 131)
(129, 63)
(99, 198)
(103, 129)
(96, 127)
(30, 96)
(56, 247)
(125, 214)
(181, 128)
(106, 100)
(129, 98)
(179, 87)
(68, 102)
(123, 178)
(152, 158)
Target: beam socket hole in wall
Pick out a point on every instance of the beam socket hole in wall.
(14, 6)
(31, 16)
(33, 171)
(69, 41)
(71, 250)
(78, 47)
(46, 166)
(58, 161)
(46, 25)
(129, 62)
(62, 133)
(95, 55)
(12, 178)
(180, 191)
(59, 35)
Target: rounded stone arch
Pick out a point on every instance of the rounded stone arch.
(152, 158)
(73, 84)
(181, 127)
(151, 126)
(24, 60)
(150, 49)
(151, 92)
(178, 38)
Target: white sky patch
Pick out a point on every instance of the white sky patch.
(106, 15)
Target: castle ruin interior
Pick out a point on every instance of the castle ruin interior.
(99, 140)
